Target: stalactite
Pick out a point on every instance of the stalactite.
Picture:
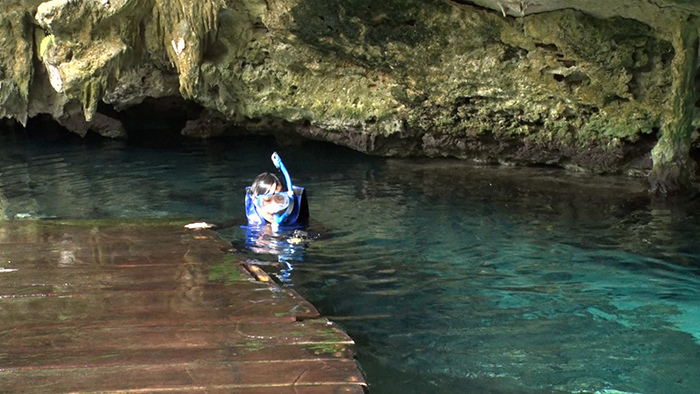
(186, 28)
(672, 164)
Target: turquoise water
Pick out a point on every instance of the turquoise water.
(451, 278)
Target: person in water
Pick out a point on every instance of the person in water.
(276, 212)
(267, 203)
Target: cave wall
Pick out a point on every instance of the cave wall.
(585, 87)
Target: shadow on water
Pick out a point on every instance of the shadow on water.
(451, 277)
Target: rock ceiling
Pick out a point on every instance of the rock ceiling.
(657, 13)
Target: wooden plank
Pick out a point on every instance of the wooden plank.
(315, 336)
(34, 359)
(200, 375)
(153, 308)
(149, 308)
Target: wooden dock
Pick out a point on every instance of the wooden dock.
(148, 306)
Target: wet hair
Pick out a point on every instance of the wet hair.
(263, 182)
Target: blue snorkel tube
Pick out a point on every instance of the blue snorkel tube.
(277, 161)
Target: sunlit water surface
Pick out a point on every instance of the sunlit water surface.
(450, 277)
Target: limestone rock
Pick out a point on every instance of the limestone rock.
(588, 85)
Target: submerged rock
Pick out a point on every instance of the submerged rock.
(586, 85)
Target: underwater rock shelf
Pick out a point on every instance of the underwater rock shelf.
(98, 306)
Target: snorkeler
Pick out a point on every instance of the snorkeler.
(267, 203)
(276, 216)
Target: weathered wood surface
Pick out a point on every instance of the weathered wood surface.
(151, 307)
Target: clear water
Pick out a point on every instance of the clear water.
(451, 278)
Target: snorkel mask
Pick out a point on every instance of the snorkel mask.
(272, 202)
(278, 204)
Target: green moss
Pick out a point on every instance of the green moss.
(254, 345)
(629, 129)
(226, 272)
(325, 348)
(44, 45)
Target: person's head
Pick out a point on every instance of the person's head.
(265, 183)
(267, 197)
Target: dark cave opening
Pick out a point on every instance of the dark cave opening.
(155, 121)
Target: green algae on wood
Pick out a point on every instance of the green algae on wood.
(227, 272)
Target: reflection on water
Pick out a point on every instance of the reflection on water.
(286, 247)
(450, 277)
